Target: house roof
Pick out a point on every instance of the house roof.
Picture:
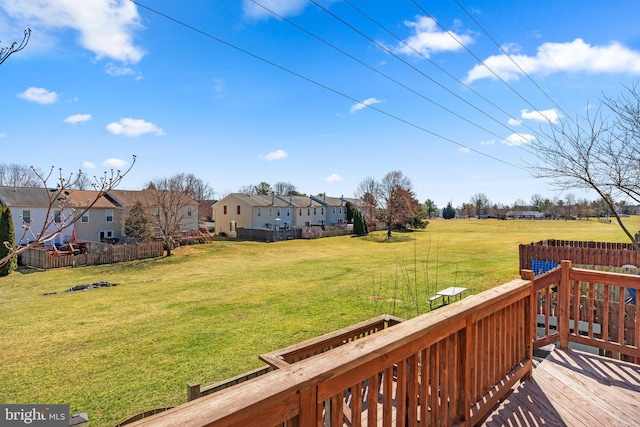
(126, 198)
(257, 200)
(82, 198)
(25, 196)
(300, 201)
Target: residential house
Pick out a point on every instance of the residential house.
(32, 209)
(271, 212)
(102, 222)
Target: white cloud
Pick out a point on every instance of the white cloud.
(518, 139)
(114, 163)
(133, 127)
(276, 155)
(281, 7)
(39, 95)
(116, 71)
(78, 118)
(88, 165)
(514, 122)
(488, 142)
(333, 178)
(428, 37)
(552, 115)
(105, 27)
(362, 104)
(575, 56)
(464, 150)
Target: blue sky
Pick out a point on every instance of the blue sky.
(321, 95)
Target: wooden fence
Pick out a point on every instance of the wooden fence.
(585, 253)
(107, 254)
(590, 308)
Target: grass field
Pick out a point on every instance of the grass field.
(206, 313)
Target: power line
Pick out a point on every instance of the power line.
(323, 86)
(394, 80)
(510, 58)
(324, 9)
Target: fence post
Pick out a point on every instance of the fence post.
(193, 391)
(564, 296)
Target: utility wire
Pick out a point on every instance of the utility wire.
(511, 59)
(323, 86)
(442, 69)
(475, 56)
(394, 80)
(387, 50)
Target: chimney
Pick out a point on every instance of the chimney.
(273, 198)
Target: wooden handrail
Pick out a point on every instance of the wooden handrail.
(444, 367)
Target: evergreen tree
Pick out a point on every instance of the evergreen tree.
(359, 225)
(7, 235)
(449, 211)
(137, 224)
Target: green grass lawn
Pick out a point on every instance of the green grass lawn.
(207, 312)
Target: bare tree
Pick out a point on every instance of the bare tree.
(82, 182)
(6, 52)
(169, 199)
(15, 175)
(395, 199)
(195, 187)
(481, 203)
(367, 193)
(599, 151)
(282, 188)
(246, 189)
(61, 212)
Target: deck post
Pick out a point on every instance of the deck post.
(530, 317)
(308, 405)
(564, 296)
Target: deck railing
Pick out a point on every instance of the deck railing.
(589, 308)
(448, 366)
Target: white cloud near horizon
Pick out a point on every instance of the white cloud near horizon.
(334, 177)
(105, 27)
(464, 150)
(133, 127)
(39, 95)
(281, 7)
(88, 165)
(363, 104)
(78, 118)
(514, 122)
(517, 139)
(550, 58)
(114, 163)
(552, 115)
(428, 37)
(276, 155)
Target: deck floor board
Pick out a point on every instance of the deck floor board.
(572, 388)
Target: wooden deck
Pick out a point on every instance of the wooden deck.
(572, 388)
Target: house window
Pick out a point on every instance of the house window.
(189, 210)
(56, 217)
(340, 210)
(315, 211)
(109, 215)
(334, 211)
(308, 212)
(157, 213)
(85, 217)
(225, 209)
(278, 212)
(270, 212)
(238, 209)
(321, 211)
(259, 212)
(26, 217)
(288, 212)
(299, 212)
